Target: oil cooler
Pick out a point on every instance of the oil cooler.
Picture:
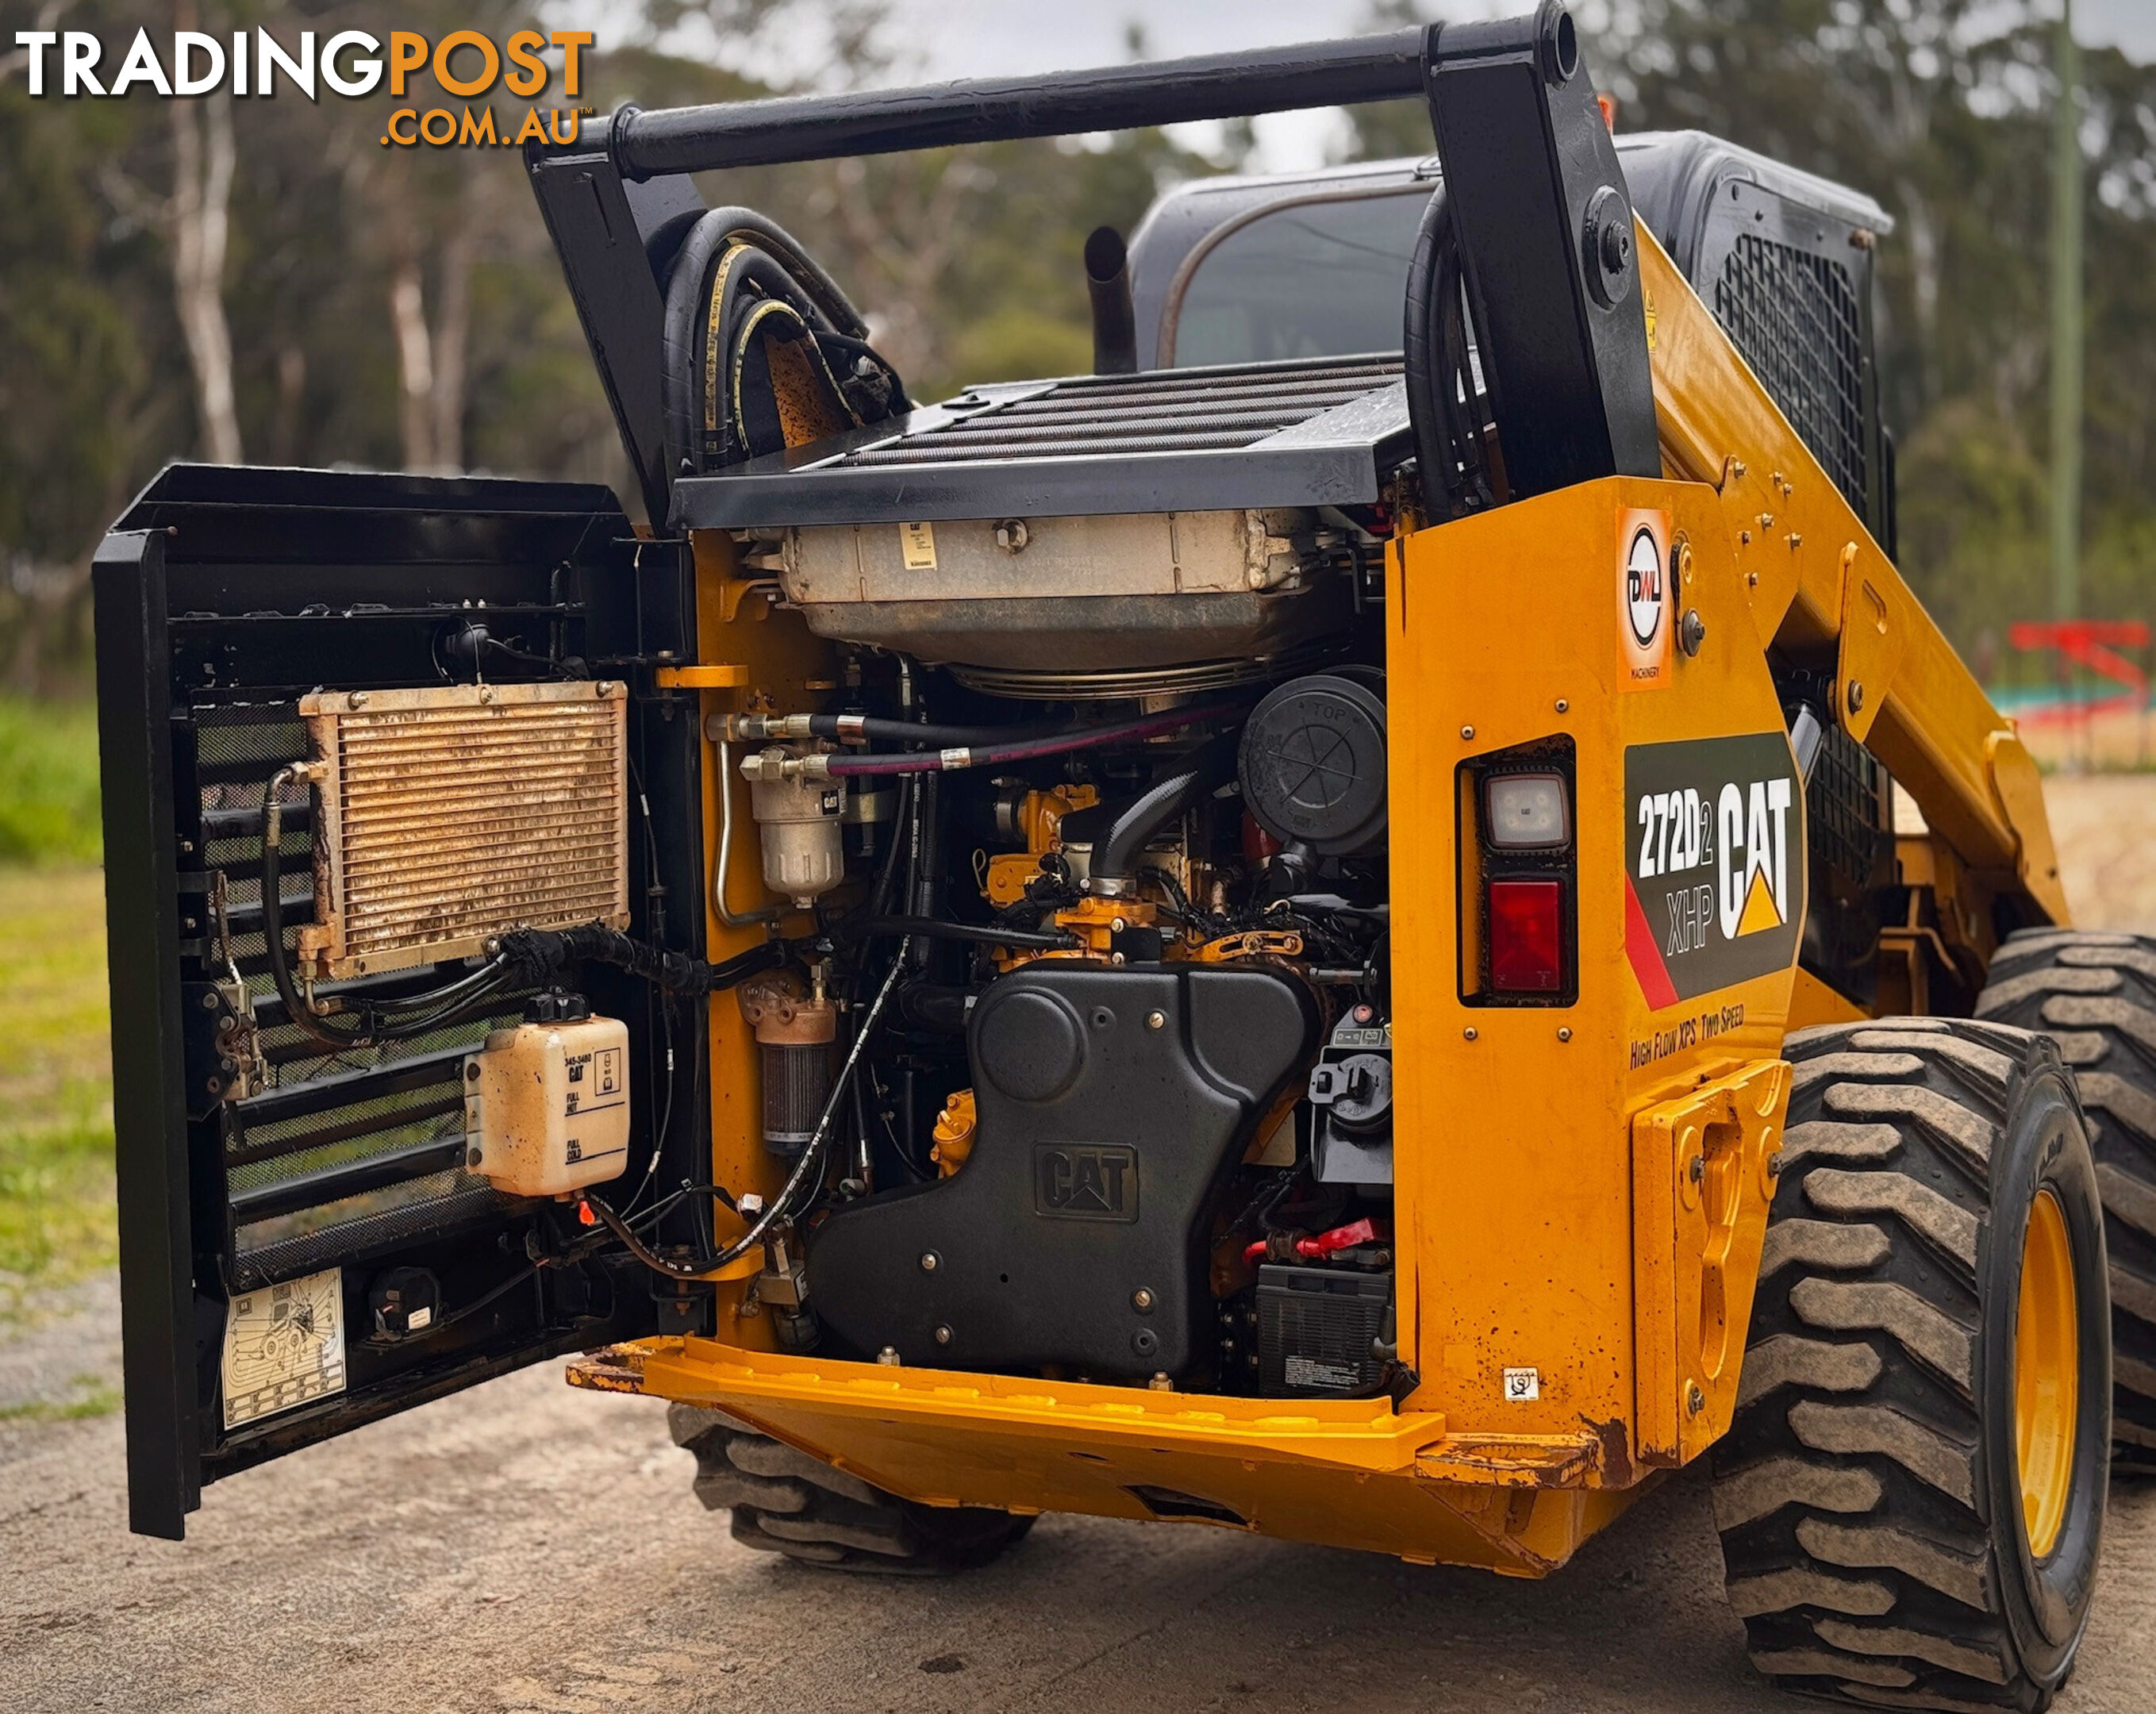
(448, 815)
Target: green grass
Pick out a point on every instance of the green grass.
(91, 1398)
(49, 803)
(56, 1207)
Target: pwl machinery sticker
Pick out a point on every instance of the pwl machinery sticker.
(1715, 863)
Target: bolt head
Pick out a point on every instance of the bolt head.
(1563, 706)
(943, 1335)
(1155, 1020)
(1691, 631)
(1141, 1300)
(929, 1261)
(1467, 731)
(1564, 1032)
(1470, 1031)
(1855, 695)
(750, 1206)
(1695, 1400)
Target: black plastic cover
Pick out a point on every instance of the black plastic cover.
(1075, 1234)
(1317, 1327)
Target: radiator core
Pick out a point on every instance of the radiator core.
(446, 816)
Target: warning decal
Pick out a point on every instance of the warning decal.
(284, 1345)
(1714, 861)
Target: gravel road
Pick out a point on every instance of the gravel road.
(527, 1548)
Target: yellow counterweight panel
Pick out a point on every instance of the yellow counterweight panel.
(1513, 1154)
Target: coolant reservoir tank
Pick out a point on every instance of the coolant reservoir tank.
(546, 1103)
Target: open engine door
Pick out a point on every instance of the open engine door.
(303, 1246)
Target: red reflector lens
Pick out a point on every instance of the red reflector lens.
(1527, 950)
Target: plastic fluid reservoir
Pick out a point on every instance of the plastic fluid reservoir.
(546, 1103)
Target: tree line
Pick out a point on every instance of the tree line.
(262, 280)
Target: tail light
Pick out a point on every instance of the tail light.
(1526, 937)
(1519, 873)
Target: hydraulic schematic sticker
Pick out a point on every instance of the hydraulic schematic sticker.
(1714, 861)
(284, 1345)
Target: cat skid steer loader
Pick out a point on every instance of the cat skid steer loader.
(1308, 933)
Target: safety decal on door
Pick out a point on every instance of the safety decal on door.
(1646, 602)
(1714, 861)
(284, 1345)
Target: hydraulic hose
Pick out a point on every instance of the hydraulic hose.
(535, 957)
(996, 754)
(869, 729)
(1448, 438)
(688, 292)
(975, 934)
(811, 1157)
(378, 1020)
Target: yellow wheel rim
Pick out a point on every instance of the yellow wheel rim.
(2046, 1373)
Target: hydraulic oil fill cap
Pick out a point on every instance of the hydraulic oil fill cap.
(1313, 764)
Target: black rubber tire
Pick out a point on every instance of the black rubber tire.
(785, 1502)
(2095, 995)
(1868, 1494)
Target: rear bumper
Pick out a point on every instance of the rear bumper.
(1349, 1473)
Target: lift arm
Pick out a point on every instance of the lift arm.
(1818, 580)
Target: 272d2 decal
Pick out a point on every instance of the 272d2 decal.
(1714, 863)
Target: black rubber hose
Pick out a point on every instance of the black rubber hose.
(943, 761)
(537, 957)
(1433, 339)
(408, 1015)
(1116, 853)
(928, 1005)
(688, 294)
(810, 1161)
(866, 729)
(302, 1016)
(973, 933)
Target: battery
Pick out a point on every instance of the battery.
(1316, 1328)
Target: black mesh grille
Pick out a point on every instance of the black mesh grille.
(1848, 835)
(1183, 410)
(1795, 317)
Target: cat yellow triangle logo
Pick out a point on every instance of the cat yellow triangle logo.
(1759, 911)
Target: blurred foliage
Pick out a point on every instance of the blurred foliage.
(346, 257)
(49, 802)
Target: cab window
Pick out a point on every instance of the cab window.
(1310, 279)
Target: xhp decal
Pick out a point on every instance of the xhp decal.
(1715, 863)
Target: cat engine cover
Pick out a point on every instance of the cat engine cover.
(1112, 1104)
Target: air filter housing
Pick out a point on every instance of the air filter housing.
(446, 816)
